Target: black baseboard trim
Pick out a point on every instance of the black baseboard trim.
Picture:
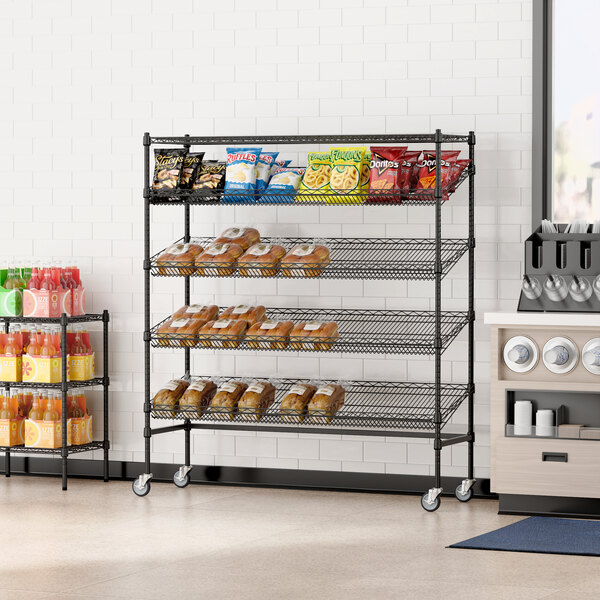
(245, 476)
(549, 506)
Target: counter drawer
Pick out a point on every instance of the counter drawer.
(547, 467)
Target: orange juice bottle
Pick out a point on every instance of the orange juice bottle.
(50, 414)
(6, 412)
(12, 347)
(78, 346)
(34, 347)
(25, 400)
(47, 348)
(74, 411)
(36, 413)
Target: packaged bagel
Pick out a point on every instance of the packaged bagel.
(240, 176)
(326, 402)
(242, 236)
(270, 334)
(168, 166)
(261, 260)
(224, 404)
(210, 176)
(265, 162)
(344, 182)
(284, 185)
(167, 398)
(295, 403)
(316, 177)
(218, 260)
(178, 259)
(305, 260)
(197, 397)
(191, 164)
(385, 163)
(256, 400)
(428, 171)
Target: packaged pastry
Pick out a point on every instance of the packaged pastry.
(210, 176)
(295, 402)
(222, 333)
(199, 312)
(168, 164)
(273, 335)
(405, 181)
(365, 174)
(385, 162)
(283, 185)
(428, 174)
(179, 259)
(196, 398)
(240, 176)
(261, 260)
(456, 171)
(191, 164)
(314, 335)
(223, 406)
(279, 163)
(218, 260)
(242, 236)
(305, 260)
(265, 162)
(344, 182)
(167, 398)
(256, 400)
(179, 332)
(326, 402)
(250, 314)
(316, 177)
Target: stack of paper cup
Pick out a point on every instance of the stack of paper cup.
(544, 422)
(523, 417)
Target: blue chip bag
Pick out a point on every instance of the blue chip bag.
(283, 185)
(263, 170)
(240, 176)
(279, 164)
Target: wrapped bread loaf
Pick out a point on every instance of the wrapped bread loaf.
(218, 260)
(305, 260)
(179, 332)
(250, 314)
(197, 397)
(326, 402)
(314, 335)
(179, 259)
(223, 333)
(261, 260)
(270, 334)
(197, 312)
(167, 398)
(223, 406)
(242, 236)
(256, 400)
(294, 403)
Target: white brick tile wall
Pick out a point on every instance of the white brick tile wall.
(83, 81)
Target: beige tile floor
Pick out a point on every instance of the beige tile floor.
(100, 541)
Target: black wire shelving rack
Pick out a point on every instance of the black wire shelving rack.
(64, 451)
(371, 408)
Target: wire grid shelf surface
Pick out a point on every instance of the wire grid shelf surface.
(368, 404)
(56, 321)
(58, 386)
(360, 331)
(350, 258)
(71, 449)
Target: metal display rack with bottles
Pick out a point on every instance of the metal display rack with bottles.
(371, 407)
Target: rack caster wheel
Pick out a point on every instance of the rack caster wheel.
(431, 500)
(141, 485)
(182, 477)
(464, 492)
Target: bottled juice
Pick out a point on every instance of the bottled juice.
(78, 347)
(12, 282)
(19, 270)
(48, 348)
(88, 345)
(50, 414)
(25, 402)
(67, 280)
(12, 347)
(34, 347)
(6, 412)
(36, 413)
(74, 411)
(34, 281)
(47, 282)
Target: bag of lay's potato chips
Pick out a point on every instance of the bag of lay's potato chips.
(316, 177)
(283, 185)
(263, 170)
(240, 176)
(344, 183)
(279, 164)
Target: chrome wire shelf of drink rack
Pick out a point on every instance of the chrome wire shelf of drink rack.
(360, 331)
(56, 321)
(70, 449)
(350, 258)
(368, 404)
(51, 386)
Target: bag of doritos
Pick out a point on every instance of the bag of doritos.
(456, 171)
(316, 177)
(385, 163)
(240, 176)
(405, 172)
(428, 175)
(344, 183)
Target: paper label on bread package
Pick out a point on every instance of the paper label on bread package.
(312, 326)
(228, 387)
(171, 385)
(179, 323)
(198, 385)
(303, 250)
(221, 323)
(298, 389)
(233, 232)
(177, 249)
(256, 387)
(268, 324)
(217, 249)
(260, 249)
(194, 309)
(326, 390)
(240, 310)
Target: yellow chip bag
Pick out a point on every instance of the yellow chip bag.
(316, 177)
(365, 175)
(344, 182)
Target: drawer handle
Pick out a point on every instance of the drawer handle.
(555, 457)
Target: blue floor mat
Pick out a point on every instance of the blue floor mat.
(547, 535)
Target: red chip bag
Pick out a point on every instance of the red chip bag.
(456, 171)
(427, 172)
(409, 160)
(385, 163)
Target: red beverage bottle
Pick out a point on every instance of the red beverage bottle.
(47, 281)
(67, 280)
(78, 346)
(34, 281)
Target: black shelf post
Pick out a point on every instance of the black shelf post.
(147, 432)
(105, 384)
(471, 309)
(7, 453)
(64, 453)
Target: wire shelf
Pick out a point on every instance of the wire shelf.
(368, 404)
(393, 197)
(57, 386)
(71, 449)
(360, 331)
(56, 321)
(350, 258)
